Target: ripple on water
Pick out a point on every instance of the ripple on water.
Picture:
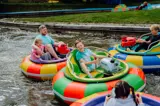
(17, 90)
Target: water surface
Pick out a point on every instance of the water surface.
(17, 90)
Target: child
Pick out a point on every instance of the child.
(83, 56)
(154, 37)
(142, 6)
(39, 54)
(122, 96)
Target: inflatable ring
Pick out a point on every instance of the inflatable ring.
(40, 71)
(149, 59)
(70, 84)
(98, 99)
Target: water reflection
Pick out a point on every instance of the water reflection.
(17, 90)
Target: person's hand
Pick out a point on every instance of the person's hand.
(59, 58)
(96, 61)
(140, 41)
(38, 56)
(109, 55)
(139, 99)
(61, 43)
(67, 44)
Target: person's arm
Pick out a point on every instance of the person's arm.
(148, 41)
(140, 41)
(37, 56)
(35, 47)
(33, 44)
(139, 99)
(81, 60)
(58, 43)
(109, 101)
(55, 43)
(39, 51)
(86, 63)
(92, 54)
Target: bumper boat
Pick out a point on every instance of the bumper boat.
(148, 59)
(98, 99)
(71, 84)
(120, 7)
(44, 69)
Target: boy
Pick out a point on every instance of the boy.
(154, 37)
(83, 56)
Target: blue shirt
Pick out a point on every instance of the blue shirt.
(45, 39)
(86, 56)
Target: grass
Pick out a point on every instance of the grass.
(129, 17)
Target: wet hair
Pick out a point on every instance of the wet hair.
(77, 41)
(37, 40)
(155, 27)
(41, 27)
(122, 89)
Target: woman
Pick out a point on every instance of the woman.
(121, 96)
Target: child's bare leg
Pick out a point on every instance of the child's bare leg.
(84, 67)
(50, 49)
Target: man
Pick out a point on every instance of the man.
(47, 41)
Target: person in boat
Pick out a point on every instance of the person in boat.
(145, 4)
(155, 36)
(121, 96)
(47, 41)
(39, 54)
(83, 57)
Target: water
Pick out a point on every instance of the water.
(17, 90)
